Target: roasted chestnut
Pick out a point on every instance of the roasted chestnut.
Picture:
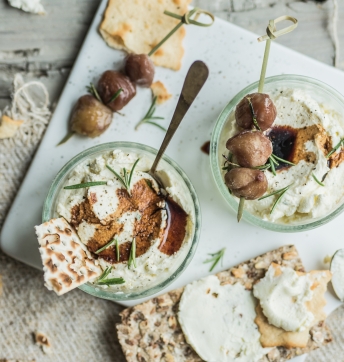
(140, 69)
(111, 82)
(250, 148)
(258, 107)
(246, 182)
(90, 117)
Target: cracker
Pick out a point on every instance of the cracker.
(9, 127)
(150, 331)
(272, 336)
(136, 26)
(66, 261)
(160, 92)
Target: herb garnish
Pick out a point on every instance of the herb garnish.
(85, 184)
(117, 250)
(106, 246)
(281, 192)
(216, 257)
(317, 181)
(281, 160)
(92, 90)
(335, 148)
(132, 255)
(149, 116)
(127, 176)
(273, 161)
(254, 118)
(115, 96)
(103, 281)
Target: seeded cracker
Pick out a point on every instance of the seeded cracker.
(66, 261)
(150, 331)
(136, 26)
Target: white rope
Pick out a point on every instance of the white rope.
(30, 103)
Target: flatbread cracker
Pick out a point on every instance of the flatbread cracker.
(160, 92)
(272, 336)
(136, 26)
(66, 261)
(151, 332)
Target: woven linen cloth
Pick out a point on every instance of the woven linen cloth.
(79, 327)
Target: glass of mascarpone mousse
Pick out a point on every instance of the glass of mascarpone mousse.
(309, 124)
(166, 228)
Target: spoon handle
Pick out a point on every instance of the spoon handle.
(194, 81)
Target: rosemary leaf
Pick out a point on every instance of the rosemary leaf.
(117, 251)
(92, 89)
(132, 255)
(115, 96)
(282, 160)
(106, 272)
(106, 246)
(273, 170)
(275, 192)
(84, 185)
(66, 138)
(132, 172)
(317, 181)
(112, 281)
(335, 148)
(216, 257)
(272, 158)
(277, 201)
(117, 175)
(149, 116)
(254, 119)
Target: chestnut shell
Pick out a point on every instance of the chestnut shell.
(90, 117)
(246, 182)
(109, 83)
(264, 110)
(140, 69)
(250, 148)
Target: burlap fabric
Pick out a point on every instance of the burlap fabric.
(79, 327)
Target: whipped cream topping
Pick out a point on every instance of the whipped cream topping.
(106, 212)
(218, 321)
(283, 295)
(305, 199)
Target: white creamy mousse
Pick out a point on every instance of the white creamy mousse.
(218, 321)
(283, 295)
(120, 221)
(305, 199)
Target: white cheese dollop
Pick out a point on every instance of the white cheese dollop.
(218, 321)
(30, 6)
(283, 298)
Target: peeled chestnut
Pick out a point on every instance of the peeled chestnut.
(247, 183)
(140, 69)
(109, 83)
(250, 148)
(90, 117)
(258, 106)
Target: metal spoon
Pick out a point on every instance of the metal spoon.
(194, 81)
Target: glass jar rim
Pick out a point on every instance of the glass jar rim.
(216, 167)
(70, 165)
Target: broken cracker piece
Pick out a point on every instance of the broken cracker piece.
(42, 340)
(67, 263)
(137, 26)
(272, 336)
(8, 126)
(160, 91)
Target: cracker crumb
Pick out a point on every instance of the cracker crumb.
(159, 90)
(42, 340)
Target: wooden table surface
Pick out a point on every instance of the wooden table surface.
(44, 48)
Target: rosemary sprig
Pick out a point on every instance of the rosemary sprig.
(117, 250)
(272, 165)
(277, 201)
(229, 160)
(275, 192)
(254, 119)
(263, 167)
(127, 176)
(317, 181)
(132, 255)
(115, 96)
(149, 116)
(335, 148)
(92, 90)
(282, 160)
(215, 258)
(85, 184)
(103, 281)
(106, 246)
(66, 138)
